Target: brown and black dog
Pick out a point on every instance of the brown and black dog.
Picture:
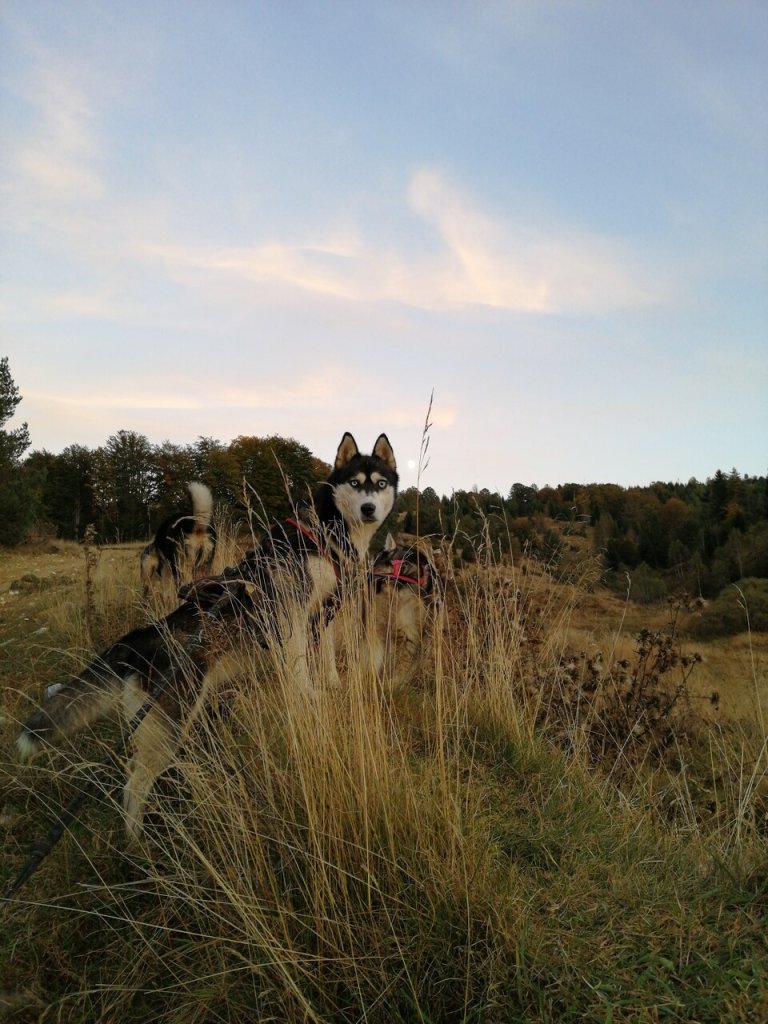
(184, 543)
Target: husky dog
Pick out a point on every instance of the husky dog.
(183, 541)
(155, 674)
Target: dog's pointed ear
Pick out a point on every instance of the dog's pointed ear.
(347, 451)
(383, 450)
(389, 544)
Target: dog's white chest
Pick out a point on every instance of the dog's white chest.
(323, 580)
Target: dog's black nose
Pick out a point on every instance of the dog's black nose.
(368, 510)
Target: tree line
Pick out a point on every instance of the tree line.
(126, 486)
(699, 536)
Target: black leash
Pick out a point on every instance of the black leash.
(41, 848)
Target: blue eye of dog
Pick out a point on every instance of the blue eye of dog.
(381, 484)
(354, 484)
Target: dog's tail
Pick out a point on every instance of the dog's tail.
(69, 707)
(201, 544)
(202, 503)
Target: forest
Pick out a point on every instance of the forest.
(696, 537)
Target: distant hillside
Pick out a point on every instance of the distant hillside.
(695, 537)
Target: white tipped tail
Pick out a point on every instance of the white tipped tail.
(202, 502)
(28, 745)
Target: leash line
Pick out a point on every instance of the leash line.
(41, 848)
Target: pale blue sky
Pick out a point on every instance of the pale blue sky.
(230, 217)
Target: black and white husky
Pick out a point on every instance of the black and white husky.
(275, 597)
(184, 542)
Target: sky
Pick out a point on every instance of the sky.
(547, 217)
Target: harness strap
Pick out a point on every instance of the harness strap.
(320, 548)
(397, 575)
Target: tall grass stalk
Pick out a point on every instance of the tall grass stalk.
(423, 460)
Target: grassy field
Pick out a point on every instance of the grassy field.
(557, 821)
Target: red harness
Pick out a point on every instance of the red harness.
(395, 575)
(398, 576)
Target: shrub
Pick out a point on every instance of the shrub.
(648, 586)
(736, 609)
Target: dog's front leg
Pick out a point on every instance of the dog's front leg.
(178, 693)
(326, 641)
(155, 743)
(295, 652)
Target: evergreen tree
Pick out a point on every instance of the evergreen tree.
(13, 443)
(16, 505)
(69, 494)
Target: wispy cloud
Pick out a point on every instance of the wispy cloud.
(491, 260)
(312, 393)
(296, 406)
(59, 178)
(56, 158)
(477, 259)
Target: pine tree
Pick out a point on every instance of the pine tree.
(16, 511)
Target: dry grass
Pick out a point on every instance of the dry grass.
(447, 851)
